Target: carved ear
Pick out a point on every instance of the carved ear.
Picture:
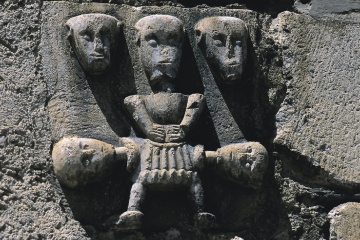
(135, 32)
(199, 36)
(137, 39)
(119, 24)
(69, 31)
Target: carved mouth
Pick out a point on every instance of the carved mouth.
(97, 56)
(164, 63)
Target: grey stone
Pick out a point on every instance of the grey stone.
(321, 7)
(78, 161)
(317, 121)
(345, 221)
(244, 163)
(94, 38)
(304, 68)
(87, 93)
(165, 118)
(224, 43)
(32, 206)
(160, 39)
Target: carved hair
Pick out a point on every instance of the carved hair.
(164, 21)
(206, 25)
(113, 23)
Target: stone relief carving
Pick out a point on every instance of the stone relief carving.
(223, 41)
(94, 37)
(78, 161)
(164, 118)
(160, 157)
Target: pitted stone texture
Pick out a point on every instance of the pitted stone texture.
(345, 222)
(318, 120)
(321, 7)
(31, 203)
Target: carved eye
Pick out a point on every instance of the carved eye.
(107, 37)
(173, 39)
(238, 43)
(218, 43)
(152, 42)
(86, 36)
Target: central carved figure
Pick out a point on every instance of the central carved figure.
(164, 118)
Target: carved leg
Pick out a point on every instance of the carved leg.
(197, 192)
(137, 196)
(132, 218)
(202, 219)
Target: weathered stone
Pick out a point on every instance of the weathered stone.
(94, 38)
(306, 66)
(245, 163)
(101, 95)
(345, 221)
(160, 39)
(32, 205)
(320, 7)
(317, 123)
(224, 43)
(165, 118)
(78, 161)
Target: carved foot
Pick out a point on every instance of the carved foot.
(205, 220)
(130, 220)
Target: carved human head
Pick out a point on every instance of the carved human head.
(93, 38)
(223, 41)
(160, 39)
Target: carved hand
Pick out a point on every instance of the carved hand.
(175, 133)
(157, 133)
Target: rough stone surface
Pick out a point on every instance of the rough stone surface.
(303, 69)
(32, 205)
(318, 120)
(345, 221)
(317, 142)
(319, 7)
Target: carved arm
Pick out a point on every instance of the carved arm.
(194, 107)
(136, 107)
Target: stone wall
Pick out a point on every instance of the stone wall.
(302, 105)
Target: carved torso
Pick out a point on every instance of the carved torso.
(166, 108)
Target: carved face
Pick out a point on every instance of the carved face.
(224, 43)
(160, 40)
(93, 37)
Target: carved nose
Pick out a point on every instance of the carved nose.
(230, 50)
(98, 45)
(165, 51)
